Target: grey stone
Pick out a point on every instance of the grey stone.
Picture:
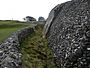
(51, 17)
(1, 53)
(10, 56)
(68, 32)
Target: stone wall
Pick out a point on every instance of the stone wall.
(10, 55)
(51, 17)
(68, 34)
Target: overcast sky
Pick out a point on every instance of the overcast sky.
(18, 9)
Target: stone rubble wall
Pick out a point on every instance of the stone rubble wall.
(68, 32)
(51, 17)
(10, 55)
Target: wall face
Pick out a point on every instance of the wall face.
(51, 17)
(69, 35)
(10, 56)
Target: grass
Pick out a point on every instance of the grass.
(35, 51)
(8, 27)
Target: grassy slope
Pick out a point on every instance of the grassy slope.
(8, 27)
(36, 53)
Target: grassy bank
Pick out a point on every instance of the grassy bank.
(36, 53)
(8, 27)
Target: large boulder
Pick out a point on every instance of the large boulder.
(68, 32)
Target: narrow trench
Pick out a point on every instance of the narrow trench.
(35, 51)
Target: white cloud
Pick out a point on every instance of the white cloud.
(17, 9)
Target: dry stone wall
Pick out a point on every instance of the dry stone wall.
(68, 32)
(10, 55)
(51, 17)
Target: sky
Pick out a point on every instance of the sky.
(18, 9)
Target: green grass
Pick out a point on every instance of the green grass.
(8, 27)
(36, 53)
(34, 48)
